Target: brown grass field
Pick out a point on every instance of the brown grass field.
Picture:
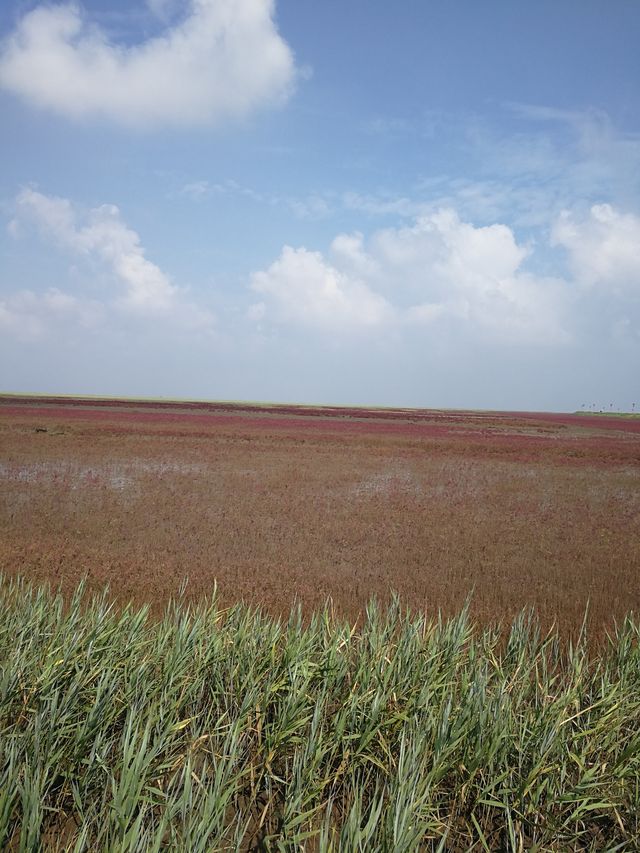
(277, 504)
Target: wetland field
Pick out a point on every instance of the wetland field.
(242, 627)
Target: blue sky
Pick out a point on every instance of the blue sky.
(425, 203)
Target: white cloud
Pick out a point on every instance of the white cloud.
(202, 189)
(440, 267)
(603, 247)
(383, 205)
(311, 207)
(145, 290)
(303, 288)
(27, 316)
(197, 190)
(223, 60)
(549, 159)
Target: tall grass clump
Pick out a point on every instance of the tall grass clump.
(215, 729)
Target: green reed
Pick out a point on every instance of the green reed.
(214, 729)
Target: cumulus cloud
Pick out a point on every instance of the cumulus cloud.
(603, 246)
(304, 288)
(27, 315)
(439, 267)
(223, 60)
(144, 289)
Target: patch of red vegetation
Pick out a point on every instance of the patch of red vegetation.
(606, 422)
(10, 404)
(566, 438)
(281, 502)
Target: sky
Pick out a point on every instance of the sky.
(432, 203)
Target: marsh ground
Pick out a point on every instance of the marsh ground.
(284, 504)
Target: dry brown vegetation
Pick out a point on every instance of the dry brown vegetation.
(516, 510)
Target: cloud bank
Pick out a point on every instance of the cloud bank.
(435, 281)
(604, 247)
(27, 316)
(225, 59)
(439, 270)
(101, 237)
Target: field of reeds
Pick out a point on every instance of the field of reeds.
(228, 729)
